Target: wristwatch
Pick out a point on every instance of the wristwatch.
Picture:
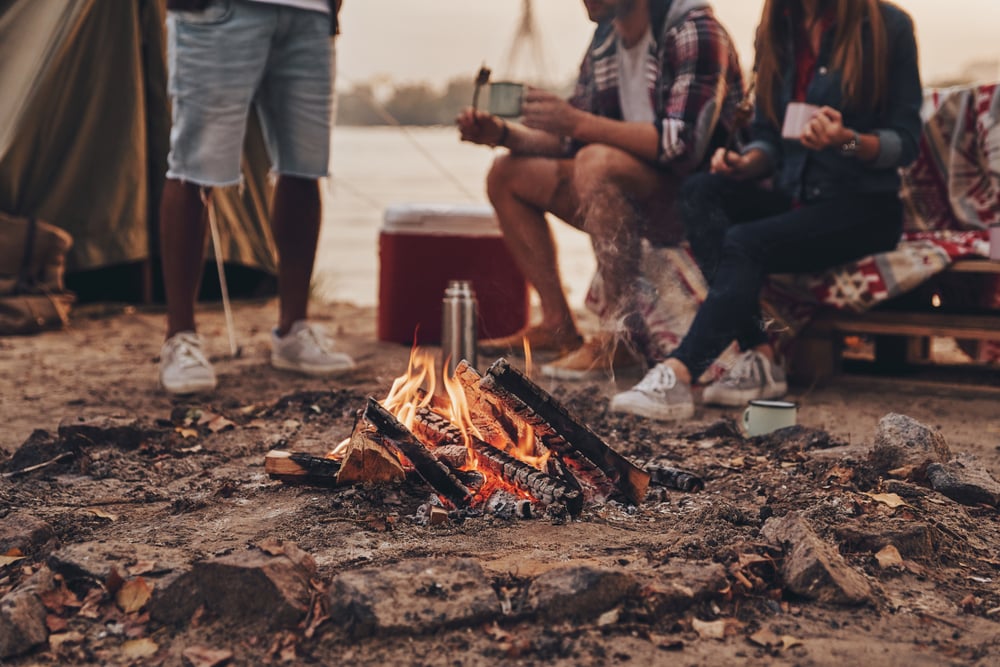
(850, 147)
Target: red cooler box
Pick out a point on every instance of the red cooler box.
(421, 248)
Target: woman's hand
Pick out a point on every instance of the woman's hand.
(825, 130)
(542, 110)
(479, 127)
(737, 166)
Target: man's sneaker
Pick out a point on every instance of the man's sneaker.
(306, 349)
(184, 369)
(597, 359)
(752, 377)
(658, 396)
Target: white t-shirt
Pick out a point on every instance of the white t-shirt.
(310, 5)
(633, 84)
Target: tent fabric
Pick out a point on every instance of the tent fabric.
(84, 132)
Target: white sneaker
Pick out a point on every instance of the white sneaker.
(184, 369)
(752, 377)
(308, 350)
(658, 396)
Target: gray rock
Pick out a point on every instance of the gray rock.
(120, 430)
(579, 592)
(812, 568)
(269, 585)
(93, 562)
(27, 533)
(913, 539)
(675, 587)
(22, 616)
(413, 597)
(903, 441)
(964, 481)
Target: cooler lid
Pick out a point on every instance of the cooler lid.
(443, 219)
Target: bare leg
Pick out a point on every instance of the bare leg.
(295, 222)
(183, 240)
(521, 191)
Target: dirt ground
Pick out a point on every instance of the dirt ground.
(203, 491)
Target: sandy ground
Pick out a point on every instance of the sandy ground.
(106, 364)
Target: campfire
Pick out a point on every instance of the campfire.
(479, 441)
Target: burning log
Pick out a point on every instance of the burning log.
(435, 473)
(547, 490)
(559, 431)
(369, 457)
(506, 505)
(299, 468)
(675, 478)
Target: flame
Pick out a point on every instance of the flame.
(528, 366)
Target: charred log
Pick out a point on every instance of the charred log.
(675, 478)
(369, 458)
(299, 468)
(435, 473)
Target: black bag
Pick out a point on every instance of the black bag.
(33, 297)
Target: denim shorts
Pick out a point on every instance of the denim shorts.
(236, 53)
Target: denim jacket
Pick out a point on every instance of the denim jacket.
(814, 175)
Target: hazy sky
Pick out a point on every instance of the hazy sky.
(436, 40)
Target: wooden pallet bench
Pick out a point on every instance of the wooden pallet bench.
(900, 337)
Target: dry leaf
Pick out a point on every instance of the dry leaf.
(202, 656)
(137, 649)
(738, 461)
(889, 556)
(788, 641)
(59, 639)
(220, 423)
(187, 432)
(272, 546)
(142, 567)
(191, 450)
(133, 595)
(890, 499)
(55, 623)
(709, 629)
(840, 474)
(7, 560)
(765, 638)
(608, 618)
(104, 515)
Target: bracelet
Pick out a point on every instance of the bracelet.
(504, 132)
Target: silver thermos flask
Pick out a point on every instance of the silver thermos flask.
(459, 321)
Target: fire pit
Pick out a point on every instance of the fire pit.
(479, 441)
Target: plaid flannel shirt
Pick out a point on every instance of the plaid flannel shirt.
(695, 84)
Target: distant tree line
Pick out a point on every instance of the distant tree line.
(409, 104)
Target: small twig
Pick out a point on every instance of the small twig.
(482, 78)
(39, 466)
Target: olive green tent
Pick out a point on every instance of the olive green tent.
(84, 128)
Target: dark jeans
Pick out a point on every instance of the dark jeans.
(740, 233)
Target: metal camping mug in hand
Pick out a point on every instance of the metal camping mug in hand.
(459, 321)
(506, 98)
(763, 417)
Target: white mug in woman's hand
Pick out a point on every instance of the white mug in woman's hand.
(797, 116)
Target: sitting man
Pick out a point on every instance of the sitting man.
(658, 90)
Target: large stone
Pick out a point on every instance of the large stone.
(92, 562)
(268, 585)
(27, 533)
(964, 481)
(902, 441)
(119, 430)
(579, 592)
(413, 597)
(812, 568)
(22, 616)
(677, 586)
(913, 539)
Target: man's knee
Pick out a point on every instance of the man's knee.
(501, 177)
(598, 164)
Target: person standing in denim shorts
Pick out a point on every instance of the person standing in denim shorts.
(224, 56)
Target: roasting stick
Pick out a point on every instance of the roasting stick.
(213, 225)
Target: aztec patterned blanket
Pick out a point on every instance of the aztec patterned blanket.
(951, 195)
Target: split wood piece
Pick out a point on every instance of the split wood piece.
(299, 468)
(522, 476)
(369, 458)
(488, 414)
(502, 407)
(540, 407)
(435, 473)
(675, 478)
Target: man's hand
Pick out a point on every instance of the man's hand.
(542, 110)
(739, 167)
(826, 129)
(479, 127)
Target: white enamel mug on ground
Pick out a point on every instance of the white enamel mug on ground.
(763, 417)
(506, 98)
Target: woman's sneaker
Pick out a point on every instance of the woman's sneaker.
(184, 369)
(308, 350)
(752, 377)
(658, 396)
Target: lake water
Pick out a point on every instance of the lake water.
(374, 168)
